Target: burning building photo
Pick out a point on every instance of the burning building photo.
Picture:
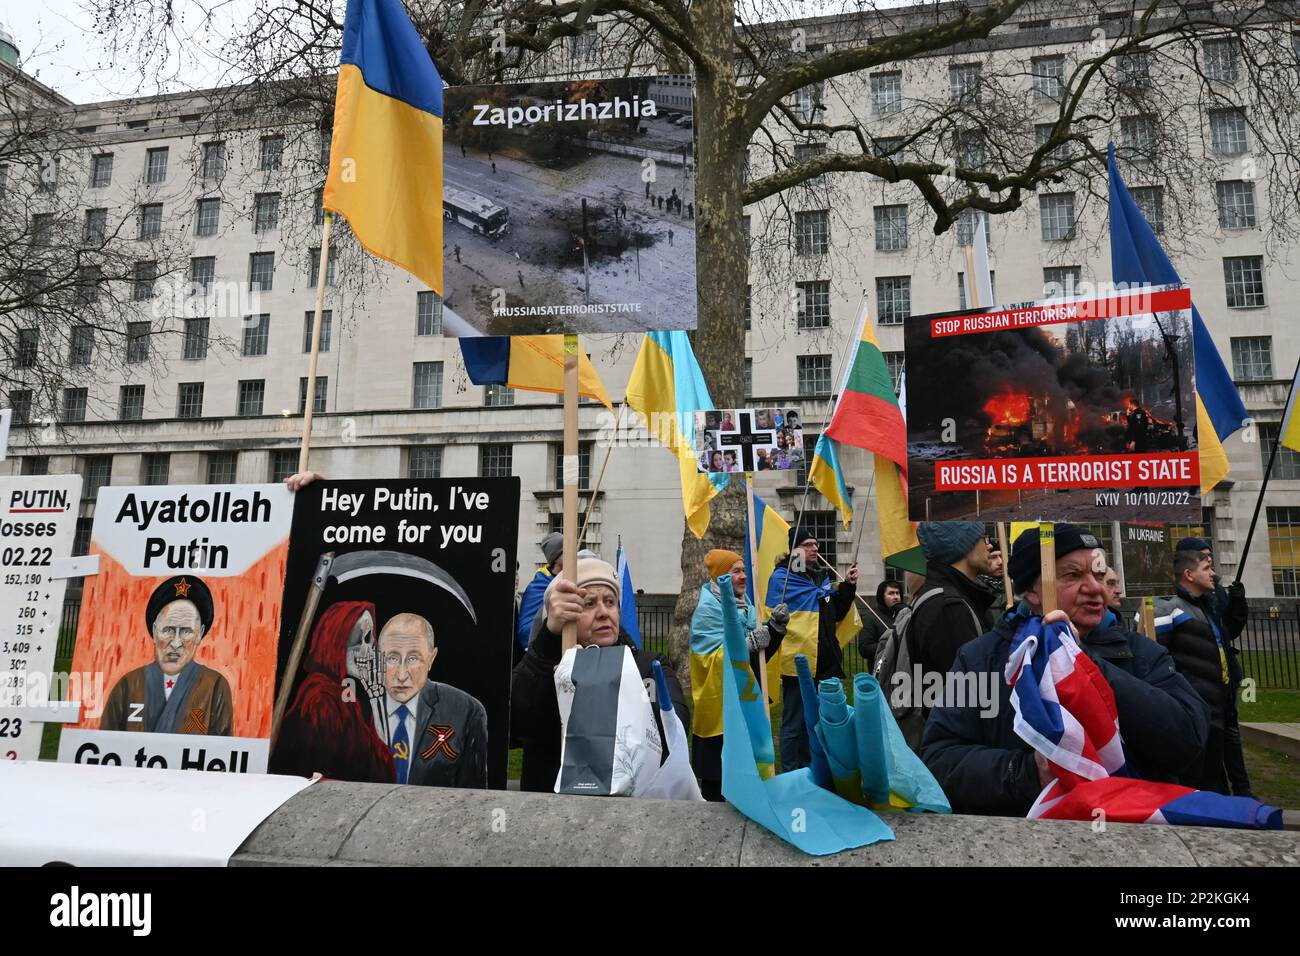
(1106, 403)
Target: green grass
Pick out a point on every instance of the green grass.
(1272, 706)
(1274, 777)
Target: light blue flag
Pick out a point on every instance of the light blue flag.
(627, 607)
(817, 762)
(791, 805)
(888, 765)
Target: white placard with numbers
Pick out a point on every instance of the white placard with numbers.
(38, 521)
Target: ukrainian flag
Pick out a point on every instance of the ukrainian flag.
(827, 476)
(531, 362)
(771, 537)
(804, 598)
(385, 175)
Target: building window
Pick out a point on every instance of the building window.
(202, 271)
(101, 170)
(1058, 155)
(326, 325)
(814, 304)
(891, 228)
(74, 405)
(1243, 280)
(555, 524)
(130, 403)
(252, 393)
(894, 362)
(814, 373)
(271, 153)
(98, 472)
(1221, 60)
(1228, 131)
(96, 227)
(1133, 70)
(221, 467)
(1287, 466)
(48, 178)
(81, 536)
(36, 465)
(1284, 550)
(584, 465)
(1061, 281)
(156, 469)
(42, 228)
(424, 462)
(151, 220)
(1047, 77)
(20, 401)
(749, 306)
(209, 217)
(887, 92)
(1056, 211)
(261, 271)
(808, 102)
(189, 400)
(961, 289)
(320, 399)
(284, 462)
(806, 153)
(887, 147)
(155, 170)
(1151, 200)
(749, 378)
(81, 345)
(25, 352)
(146, 273)
(1138, 138)
(137, 341)
(428, 313)
(966, 227)
(318, 210)
(266, 212)
(970, 148)
(495, 461)
(498, 396)
(1236, 199)
(964, 83)
(313, 267)
(1252, 358)
(812, 232)
(893, 299)
(195, 345)
(257, 334)
(87, 287)
(426, 385)
(820, 524)
(214, 160)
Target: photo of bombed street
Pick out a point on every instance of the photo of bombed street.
(569, 207)
(1083, 418)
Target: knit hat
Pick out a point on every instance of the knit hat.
(552, 546)
(944, 542)
(1025, 565)
(800, 534)
(719, 561)
(1193, 544)
(595, 571)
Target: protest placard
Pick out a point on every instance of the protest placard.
(1075, 409)
(1147, 557)
(741, 440)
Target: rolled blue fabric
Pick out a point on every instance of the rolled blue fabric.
(821, 770)
(837, 733)
(907, 777)
(872, 739)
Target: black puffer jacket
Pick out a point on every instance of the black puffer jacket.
(985, 767)
(535, 709)
(875, 625)
(1187, 626)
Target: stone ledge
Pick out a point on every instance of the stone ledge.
(333, 823)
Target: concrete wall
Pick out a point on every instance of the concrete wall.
(348, 824)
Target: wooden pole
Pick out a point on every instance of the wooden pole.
(752, 545)
(973, 288)
(1149, 617)
(857, 595)
(569, 473)
(618, 420)
(309, 402)
(1006, 563)
(1047, 555)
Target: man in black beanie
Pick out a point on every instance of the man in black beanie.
(984, 766)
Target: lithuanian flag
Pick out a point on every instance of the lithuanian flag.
(385, 175)
(868, 414)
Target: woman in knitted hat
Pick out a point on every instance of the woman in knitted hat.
(593, 603)
(709, 659)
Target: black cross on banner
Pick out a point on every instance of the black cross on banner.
(745, 439)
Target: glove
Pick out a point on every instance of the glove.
(1237, 590)
(758, 639)
(780, 618)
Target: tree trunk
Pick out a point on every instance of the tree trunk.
(722, 271)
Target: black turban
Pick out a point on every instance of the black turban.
(184, 587)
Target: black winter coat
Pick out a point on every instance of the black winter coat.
(535, 709)
(943, 624)
(1195, 651)
(985, 767)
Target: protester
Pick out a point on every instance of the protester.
(593, 603)
(956, 554)
(984, 766)
(709, 660)
(1189, 625)
(820, 606)
(993, 581)
(889, 598)
(531, 602)
(1114, 591)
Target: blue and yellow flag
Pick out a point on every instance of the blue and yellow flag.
(804, 598)
(531, 362)
(827, 476)
(771, 538)
(385, 175)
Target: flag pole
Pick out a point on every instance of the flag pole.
(1006, 562)
(1272, 457)
(569, 472)
(618, 420)
(1047, 559)
(309, 400)
(751, 545)
(857, 594)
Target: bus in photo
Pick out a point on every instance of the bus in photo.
(474, 212)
